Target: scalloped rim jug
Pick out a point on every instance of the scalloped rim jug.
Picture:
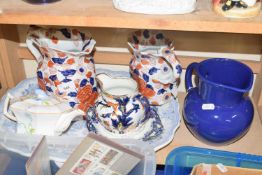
(65, 64)
(154, 66)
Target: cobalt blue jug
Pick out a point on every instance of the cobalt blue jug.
(218, 109)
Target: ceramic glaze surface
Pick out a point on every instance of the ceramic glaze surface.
(217, 110)
(37, 113)
(65, 65)
(157, 7)
(154, 66)
(123, 110)
(237, 8)
(162, 128)
(41, 1)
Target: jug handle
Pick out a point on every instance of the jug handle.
(65, 120)
(170, 57)
(188, 76)
(131, 47)
(144, 101)
(6, 106)
(33, 46)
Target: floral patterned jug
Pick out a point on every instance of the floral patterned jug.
(154, 66)
(65, 64)
(120, 107)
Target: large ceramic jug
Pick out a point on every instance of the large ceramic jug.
(65, 64)
(218, 110)
(154, 66)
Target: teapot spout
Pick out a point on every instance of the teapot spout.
(66, 119)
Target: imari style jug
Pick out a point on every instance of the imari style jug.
(154, 66)
(65, 64)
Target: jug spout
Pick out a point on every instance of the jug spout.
(103, 79)
(117, 87)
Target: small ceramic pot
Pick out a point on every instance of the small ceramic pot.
(66, 67)
(154, 66)
(40, 114)
(237, 8)
(120, 107)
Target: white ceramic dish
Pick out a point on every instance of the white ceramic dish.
(159, 7)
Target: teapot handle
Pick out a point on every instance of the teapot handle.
(65, 120)
(6, 106)
(33, 46)
(188, 77)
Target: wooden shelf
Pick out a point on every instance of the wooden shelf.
(249, 144)
(101, 13)
(118, 58)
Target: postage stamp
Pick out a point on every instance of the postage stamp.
(95, 152)
(81, 166)
(110, 155)
(97, 160)
(97, 169)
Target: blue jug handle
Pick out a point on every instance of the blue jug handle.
(188, 76)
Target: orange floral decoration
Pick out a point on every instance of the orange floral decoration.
(145, 62)
(84, 93)
(139, 66)
(161, 60)
(54, 40)
(89, 74)
(75, 31)
(86, 97)
(147, 92)
(56, 82)
(50, 63)
(87, 60)
(70, 61)
(155, 103)
(90, 102)
(61, 54)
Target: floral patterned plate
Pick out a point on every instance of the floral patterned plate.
(166, 118)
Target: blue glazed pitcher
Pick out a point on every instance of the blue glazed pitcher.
(218, 110)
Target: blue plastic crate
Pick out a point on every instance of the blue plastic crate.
(181, 160)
